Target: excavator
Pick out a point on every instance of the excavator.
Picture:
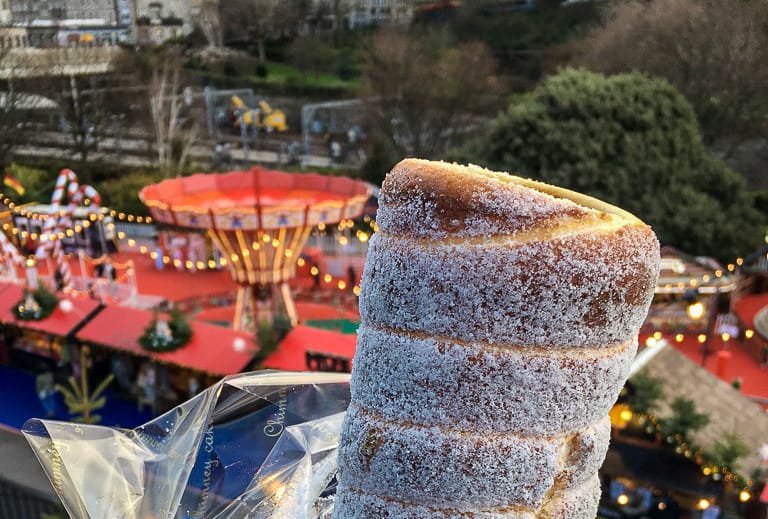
(264, 117)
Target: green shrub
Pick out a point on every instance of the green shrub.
(633, 141)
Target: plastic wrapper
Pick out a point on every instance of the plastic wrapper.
(256, 445)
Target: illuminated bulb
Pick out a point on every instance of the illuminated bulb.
(188, 265)
(657, 335)
(693, 283)
(679, 337)
(623, 499)
(166, 260)
(749, 333)
(121, 215)
(60, 236)
(275, 243)
(238, 344)
(24, 234)
(255, 246)
(651, 342)
(662, 505)
(131, 242)
(223, 262)
(143, 249)
(211, 264)
(731, 267)
(78, 228)
(200, 265)
(177, 263)
(140, 219)
(695, 310)
(121, 235)
(86, 223)
(725, 336)
(343, 240)
(130, 217)
(702, 338)
(718, 273)
(356, 290)
(744, 496)
(327, 278)
(321, 226)
(625, 415)
(246, 253)
(65, 305)
(33, 236)
(739, 261)
(30, 262)
(314, 271)
(266, 238)
(300, 262)
(153, 255)
(342, 284)
(705, 278)
(288, 253)
(149, 220)
(70, 233)
(703, 504)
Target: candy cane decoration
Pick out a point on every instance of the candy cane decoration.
(11, 253)
(61, 220)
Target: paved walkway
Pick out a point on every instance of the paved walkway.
(20, 466)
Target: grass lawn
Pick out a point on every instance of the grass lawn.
(281, 74)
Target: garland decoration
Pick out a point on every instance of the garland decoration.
(166, 335)
(36, 304)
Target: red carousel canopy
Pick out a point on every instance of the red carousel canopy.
(257, 199)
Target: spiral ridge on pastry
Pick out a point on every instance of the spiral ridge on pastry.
(499, 321)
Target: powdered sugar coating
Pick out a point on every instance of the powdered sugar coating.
(438, 381)
(587, 289)
(438, 199)
(478, 281)
(574, 503)
(455, 467)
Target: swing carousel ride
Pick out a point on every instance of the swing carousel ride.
(259, 220)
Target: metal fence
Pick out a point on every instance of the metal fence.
(18, 503)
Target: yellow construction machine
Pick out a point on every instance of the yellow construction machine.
(264, 117)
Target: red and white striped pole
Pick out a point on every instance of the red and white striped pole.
(60, 221)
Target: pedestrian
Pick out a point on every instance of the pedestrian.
(46, 391)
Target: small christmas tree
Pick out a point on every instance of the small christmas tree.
(36, 304)
(77, 399)
(166, 335)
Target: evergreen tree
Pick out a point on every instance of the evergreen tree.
(632, 141)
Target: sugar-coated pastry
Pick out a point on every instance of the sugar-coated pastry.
(499, 321)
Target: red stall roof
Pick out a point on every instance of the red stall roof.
(63, 323)
(58, 323)
(291, 353)
(747, 307)
(210, 350)
(10, 294)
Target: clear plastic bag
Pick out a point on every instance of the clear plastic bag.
(256, 445)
